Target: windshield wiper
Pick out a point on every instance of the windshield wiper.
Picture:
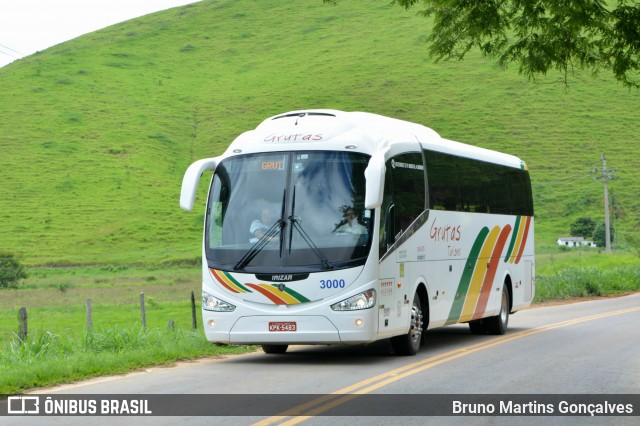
(264, 240)
(295, 223)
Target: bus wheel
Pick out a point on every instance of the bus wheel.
(498, 325)
(408, 344)
(274, 349)
(477, 327)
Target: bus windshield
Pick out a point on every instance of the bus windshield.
(288, 211)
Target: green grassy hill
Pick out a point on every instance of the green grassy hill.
(96, 133)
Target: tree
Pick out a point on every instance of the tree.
(633, 241)
(632, 236)
(539, 35)
(583, 227)
(11, 270)
(599, 236)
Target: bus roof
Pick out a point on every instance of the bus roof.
(326, 129)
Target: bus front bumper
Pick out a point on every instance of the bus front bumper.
(295, 329)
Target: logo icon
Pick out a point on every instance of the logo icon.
(24, 405)
(281, 287)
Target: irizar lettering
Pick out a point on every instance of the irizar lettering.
(281, 277)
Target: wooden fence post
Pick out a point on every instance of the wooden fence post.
(24, 328)
(89, 315)
(143, 313)
(171, 326)
(194, 323)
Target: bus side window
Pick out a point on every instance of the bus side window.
(443, 181)
(404, 197)
(408, 189)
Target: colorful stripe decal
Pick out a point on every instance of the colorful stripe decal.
(516, 248)
(280, 297)
(277, 296)
(463, 286)
(227, 281)
(475, 286)
(289, 300)
(513, 239)
(269, 294)
(299, 298)
(491, 273)
(524, 239)
(286, 296)
(479, 274)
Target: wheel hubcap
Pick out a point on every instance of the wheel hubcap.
(503, 309)
(416, 322)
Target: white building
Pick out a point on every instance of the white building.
(575, 242)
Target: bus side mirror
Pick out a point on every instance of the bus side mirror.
(374, 175)
(192, 178)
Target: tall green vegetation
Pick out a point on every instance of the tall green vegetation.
(599, 235)
(47, 359)
(97, 132)
(11, 270)
(585, 273)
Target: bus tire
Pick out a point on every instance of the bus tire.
(274, 349)
(497, 325)
(408, 344)
(477, 327)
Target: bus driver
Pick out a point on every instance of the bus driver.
(352, 226)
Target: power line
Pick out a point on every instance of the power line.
(11, 55)
(8, 48)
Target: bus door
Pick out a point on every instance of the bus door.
(401, 250)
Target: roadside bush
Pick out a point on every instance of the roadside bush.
(587, 281)
(11, 270)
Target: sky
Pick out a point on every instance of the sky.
(28, 26)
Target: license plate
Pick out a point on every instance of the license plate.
(283, 326)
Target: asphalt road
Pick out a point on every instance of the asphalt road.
(549, 352)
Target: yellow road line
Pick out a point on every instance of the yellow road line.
(341, 396)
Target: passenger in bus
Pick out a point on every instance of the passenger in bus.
(259, 227)
(352, 226)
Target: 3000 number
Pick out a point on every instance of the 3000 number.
(332, 283)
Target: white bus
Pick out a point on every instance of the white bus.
(330, 227)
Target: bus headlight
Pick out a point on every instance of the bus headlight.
(211, 303)
(364, 300)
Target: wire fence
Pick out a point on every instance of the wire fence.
(23, 323)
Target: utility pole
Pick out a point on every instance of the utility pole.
(607, 175)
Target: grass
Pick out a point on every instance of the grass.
(45, 359)
(60, 349)
(98, 131)
(583, 273)
(56, 297)
(587, 282)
